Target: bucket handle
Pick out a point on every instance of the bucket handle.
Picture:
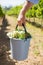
(23, 27)
(26, 33)
(24, 30)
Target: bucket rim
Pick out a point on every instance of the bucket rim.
(20, 39)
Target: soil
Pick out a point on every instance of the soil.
(35, 55)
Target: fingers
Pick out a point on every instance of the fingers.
(21, 20)
(20, 23)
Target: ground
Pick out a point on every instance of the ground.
(35, 55)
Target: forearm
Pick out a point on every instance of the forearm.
(26, 6)
(21, 17)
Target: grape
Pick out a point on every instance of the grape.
(22, 35)
(17, 34)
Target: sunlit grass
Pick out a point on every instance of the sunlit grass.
(36, 52)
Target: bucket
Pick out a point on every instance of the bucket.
(19, 48)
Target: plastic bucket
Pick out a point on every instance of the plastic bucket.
(19, 48)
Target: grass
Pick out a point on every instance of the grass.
(36, 52)
(37, 36)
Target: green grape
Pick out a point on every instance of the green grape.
(17, 34)
(22, 35)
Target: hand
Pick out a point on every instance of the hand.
(21, 19)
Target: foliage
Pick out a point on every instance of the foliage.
(14, 10)
(35, 11)
(41, 3)
(1, 12)
(29, 13)
(32, 12)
